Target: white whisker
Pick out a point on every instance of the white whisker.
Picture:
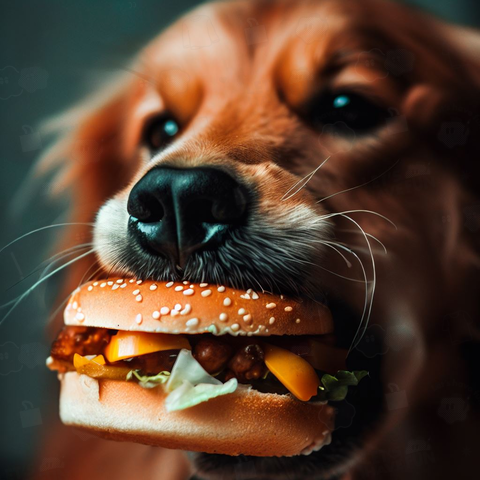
(302, 183)
(52, 260)
(336, 214)
(358, 186)
(374, 282)
(41, 229)
(369, 235)
(39, 282)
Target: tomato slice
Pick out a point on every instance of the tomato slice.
(292, 371)
(132, 344)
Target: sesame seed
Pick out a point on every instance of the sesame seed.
(177, 307)
(192, 322)
(188, 292)
(110, 283)
(123, 285)
(272, 320)
(270, 305)
(203, 285)
(136, 292)
(138, 298)
(75, 305)
(206, 293)
(227, 302)
(79, 309)
(223, 317)
(164, 310)
(153, 287)
(221, 289)
(179, 288)
(242, 311)
(156, 314)
(115, 286)
(191, 286)
(139, 282)
(95, 284)
(249, 334)
(139, 318)
(186, 310)
(120, 280)
(103, 284)
(249, 290)
(247, 318)
(281, 297)
(169, 284)
(297, 320)
(131, 280)
(185, 282)
(90, 288)
(80, 317)
(246, 296)
(255, 296)
(174, 313)
(288, 309)
(235, 327)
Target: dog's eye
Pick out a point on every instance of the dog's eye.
(353, 110)
(160, 132)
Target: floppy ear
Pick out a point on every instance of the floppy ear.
(457, 127)
(90, 165)
(466, 44)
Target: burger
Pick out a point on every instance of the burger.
(199, 367)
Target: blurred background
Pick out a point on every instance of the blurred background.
(54, 52)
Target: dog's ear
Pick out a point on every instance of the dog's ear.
(89, 165)
(455, 119)
(466, 45)
(466, 41)
(88, 157)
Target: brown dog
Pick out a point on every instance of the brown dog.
(385, 101)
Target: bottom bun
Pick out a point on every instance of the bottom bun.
(245, 422)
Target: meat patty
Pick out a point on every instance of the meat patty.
(212, 354)
(81, 340)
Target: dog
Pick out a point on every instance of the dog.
(352, 128)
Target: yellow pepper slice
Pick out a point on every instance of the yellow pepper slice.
(96, 370)
(79, 361)
(292, 371)
(132, 344)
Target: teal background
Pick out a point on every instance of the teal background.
(77, 43)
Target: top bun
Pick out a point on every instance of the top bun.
(182, 307)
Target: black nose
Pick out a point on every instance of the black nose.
(174, 212)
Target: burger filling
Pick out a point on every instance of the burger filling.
(195, 368)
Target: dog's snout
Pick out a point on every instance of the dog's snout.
(174, 212)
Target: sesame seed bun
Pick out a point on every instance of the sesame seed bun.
(244, 422)
(170, 307)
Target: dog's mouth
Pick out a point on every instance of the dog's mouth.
(356, 415)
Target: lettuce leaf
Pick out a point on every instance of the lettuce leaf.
(147, 381)
(187, 395)
(335, 387)
(187, 368)
(188, 383)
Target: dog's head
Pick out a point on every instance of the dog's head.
(316, 148)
